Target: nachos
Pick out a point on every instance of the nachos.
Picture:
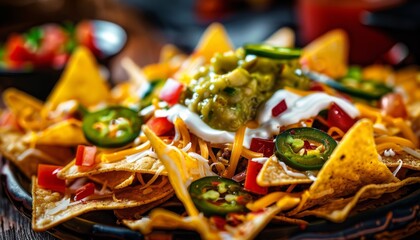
(233, 139)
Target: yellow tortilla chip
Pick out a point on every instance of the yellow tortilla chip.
(353, 164)
(273, 174)
(15, 147)
(328, 54)
(284, 37)
(114, 180)
(16, 101)
(52, 208)
(138, 212)
(253, 224)
(80, 81)
(214, 40)
(26, 108)
(65, 133)
(143, 165)
(337, 210)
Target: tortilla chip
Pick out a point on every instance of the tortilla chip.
(45, 216)
(328, 54)
(353, 165)
(284, 37)
(114, 180)
(253, 224)
(15, 147)
(143, 165)
(408, 160)
(214, 40)
(66, 133)
(16, 101)
(79, 78)
(138, 212)
(272, 174)
(337, 210)
(25, 108)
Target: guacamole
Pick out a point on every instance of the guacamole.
(227, 92)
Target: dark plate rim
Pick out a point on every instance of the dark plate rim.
(392, 217)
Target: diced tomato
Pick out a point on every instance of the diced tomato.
(392, 104)
(264, 146)
(47, 178)
(8, 119)
(279, 108)
(219, 222)
(85, 191)
(251, 178)
(52, 44)
(60, 60)
(171, 91)
(16, 50)
(85, 35)
(160, 125)
(315, 86)
(338, 117)
(85, 155)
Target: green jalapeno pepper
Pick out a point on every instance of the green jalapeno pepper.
(304, 148)
(268, 51)
(218, 196)
(362, 88)
(111, 127)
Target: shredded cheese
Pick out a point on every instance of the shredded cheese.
(183, 130)
(380, 148)
(246, 153)
(400, 163)
(153, 179)
(115, 156)
(236, 152)
(265, 201)
(337, 131)
(412, 152)
(406, 131)
(203, 148)
(397, 140)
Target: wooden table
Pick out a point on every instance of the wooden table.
(13, 225)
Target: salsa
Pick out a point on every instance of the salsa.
(227, 92)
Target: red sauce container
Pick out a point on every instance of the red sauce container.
(316, 17)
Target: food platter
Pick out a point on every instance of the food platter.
(398, 219)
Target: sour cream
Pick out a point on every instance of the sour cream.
(298, 108)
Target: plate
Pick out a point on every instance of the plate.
(398, 219)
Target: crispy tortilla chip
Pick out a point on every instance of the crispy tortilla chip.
(214, 40)
(284, 37)
(13, 146)
(65, 133)
(114, 180)
(79, 78)
(254, 223)
(353, 165)
(328, 54)
(143, 165)
(25, 108)
(272, 174)
(137, 212)
(408, 160)
(50, 208)
(337, 210)
(16, 101)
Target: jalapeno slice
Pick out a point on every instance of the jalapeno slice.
(268, 51)
(304, 148)
(218, 196)
(111, 127)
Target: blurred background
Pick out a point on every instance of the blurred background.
(380, 31)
